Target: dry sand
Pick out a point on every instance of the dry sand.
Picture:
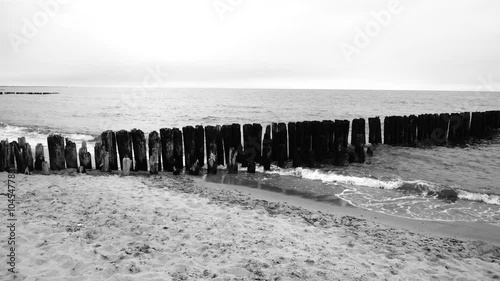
(107, 227)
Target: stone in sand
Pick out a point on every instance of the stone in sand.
(127, 165)
(45, 168)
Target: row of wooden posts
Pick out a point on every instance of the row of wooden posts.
(29, 93)
(301, 143)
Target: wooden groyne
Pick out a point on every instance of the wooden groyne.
(296, 144)
(29, 93)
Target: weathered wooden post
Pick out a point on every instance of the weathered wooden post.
(105, 161)
(139, 145)
(56, 152)
(39, 157)
(307, 149)
(283, 144)
(154, 142)
(97, 155)
(178, 151)
(220, 145)
(85, 157)
(228, 141)
(247, 153)
(358, 133)
(18, 156)
(211, 141)
(189, 146)
(375, 131)
(28, 157)
(167, 149)
(328, 132)
(45, 168)
(275, 142)
(316, 140)
(2, 156)
(412, 130)
(299, 138)
(236, 141)
(257, 142)
(153, 161)
(267, 149)
(232, 167)
(109, 144)
(70, 154)
(12, 156)
(292, 144)
(124, 143)
(126, 166)
(199, 142)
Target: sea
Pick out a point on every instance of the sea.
(394, 181)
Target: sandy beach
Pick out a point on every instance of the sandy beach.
(107, 227)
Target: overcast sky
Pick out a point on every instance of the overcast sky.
(423, 44)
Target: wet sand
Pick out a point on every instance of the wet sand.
(141, 227)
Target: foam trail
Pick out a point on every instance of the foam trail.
(481, 197)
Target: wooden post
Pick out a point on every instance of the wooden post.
(283, 144)
(28, 157)
(189, 146)
(178, 151)
(275, 142)
(220, 145)
(109, 144)
(18, 156)
(154, 142)
(127, 166)
(139, 145)
(45, 168)
(39, 157)
(387, 130)
(56, 152)
(70, 154)
(267, 149)
(153, 160)
(328, 132)
(307, 149)
(412, 130)
(97, 155)
(124, 143)
(211, 141)
(247, 152)
(236, 141)
(85, 157)
(12, 156)
(292, 144)
(299, 138)
(228, 142)
(257, 141)
(105, 161)
(232, 167)
(358, 133)
(167, 149)
(2, 156)
(199, 142)
(316, 140)
(375, 130)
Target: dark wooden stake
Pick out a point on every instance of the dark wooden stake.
(70, 154)
(139, 145)
(124, 143)
(220, 145)
(267, 149)
(200, 145)
(109, 144)
(85, 157)
(56, 152)
(189, 146)
(97, 155)
(178, 150)
(155, 142)
(167, 149)
(211, 144)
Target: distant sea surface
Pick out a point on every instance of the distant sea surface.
(394, 181)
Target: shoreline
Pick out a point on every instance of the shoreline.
(165, 227)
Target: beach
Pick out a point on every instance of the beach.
(100, 226)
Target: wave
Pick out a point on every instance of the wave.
(14, 132)
(480, 197)
(413, 187)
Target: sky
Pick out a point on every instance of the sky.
(312, 44)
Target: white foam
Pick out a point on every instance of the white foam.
(333, 177)
(481, 197)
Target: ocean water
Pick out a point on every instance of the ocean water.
(396, 180)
